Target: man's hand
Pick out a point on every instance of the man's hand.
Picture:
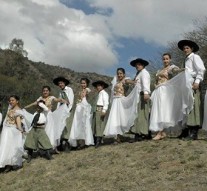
(103, 114)
(146, 97)
(195, 86)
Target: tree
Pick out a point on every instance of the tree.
(17, 45)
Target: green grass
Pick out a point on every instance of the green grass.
(169, 164)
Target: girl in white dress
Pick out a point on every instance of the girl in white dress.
(0, 116)
(11, 141)
(81, 132)
(51, 129)
(115, 125)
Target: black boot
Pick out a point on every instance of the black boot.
(48, 156)
(193, 133)
(138, 137)
(98, 142)
(184, 133)
(30, 152)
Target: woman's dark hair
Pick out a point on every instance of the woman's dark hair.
(15, 97)
(86, 80)
(48, 87)
(121, 69)
(167, 54)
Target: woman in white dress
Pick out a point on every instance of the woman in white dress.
(0, 116)
(11, 141)
(51, 129)
(115, 123)
(81, 132)
(160, 107)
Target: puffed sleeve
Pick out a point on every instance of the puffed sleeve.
(19, 113)
(199, 65)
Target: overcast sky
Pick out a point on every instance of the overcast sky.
(97, 35)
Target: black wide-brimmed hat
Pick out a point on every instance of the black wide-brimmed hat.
(140, 61)
(62, 79)
(102, 83)
(189, 43)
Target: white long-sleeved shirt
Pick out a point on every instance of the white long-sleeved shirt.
(143, 81)
(103, 100)
(70, 95)
(42, 118)
(194, 64)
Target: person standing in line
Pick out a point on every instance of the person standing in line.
(99, 115)
(81, 131)
(11, 140)
(194, 64)
(50, 124)
(67, 94)
(37, 137)
(116, 123)
(141, 123)
(157, 111)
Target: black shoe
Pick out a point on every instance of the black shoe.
(48, 156)
(16, 167)
(7, 169)
(29, 158)
(138, 138)
(193, 134)
(184, 133)
(98, 142)
(30, 152)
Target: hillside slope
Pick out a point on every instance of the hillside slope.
(25, 78)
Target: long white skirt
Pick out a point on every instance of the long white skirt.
(81, 126)
(171, 102)
(11, 146)
(122, 114)
(205, 113)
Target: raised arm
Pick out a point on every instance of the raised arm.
(30, 105)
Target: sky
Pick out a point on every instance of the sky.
(97, 35)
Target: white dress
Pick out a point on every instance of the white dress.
(81, 125)
(0, 118)
(171, 102)
(123, 111)
(11, 141)
(205, 113)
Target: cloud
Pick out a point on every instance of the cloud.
(154, 21)
(57, 35)
(65, 36)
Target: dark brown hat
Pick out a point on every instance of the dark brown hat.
(189, 43)
(102, 83)
(140, 61)
(62, 79)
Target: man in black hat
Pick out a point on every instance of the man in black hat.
(141, 123)
(195, 66)
(101, 107)
(66, 93)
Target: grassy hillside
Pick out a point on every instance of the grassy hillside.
(167, 165)
(23, 77)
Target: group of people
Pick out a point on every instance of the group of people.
(174, 102)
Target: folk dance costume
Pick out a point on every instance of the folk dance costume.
(121, 110)
(37, 138)
(100, 109)
(81, 123)
(12, 140)
(195, 66)
(171, 101)
(66, 94)
(141, 123)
